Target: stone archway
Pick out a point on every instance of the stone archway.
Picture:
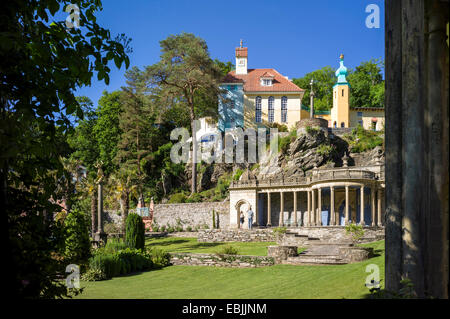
(241, 205)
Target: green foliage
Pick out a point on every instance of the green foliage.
(77, 242)
(367, 85)
(278, 126)
(221, 189)
(111, 228)
(114, 245)
(94, 274)
(135, 231)
(326, 150)
(237, 174)
(279, 231)
(361, 140)
(189, 229)
(312, 130)
(194, 198)
(160, 258)
(228, 250)
(177, 198)
(356, 232)
(254, 167)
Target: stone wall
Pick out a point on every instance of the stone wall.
(238, 261)
(188, 214)
(193, 214)
(243, 235)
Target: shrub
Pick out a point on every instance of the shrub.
(177, 198)
(160, 258)
(94, 274)
(76, 238)
(179, 228)
(194, 198)
(114, 245)
(279, 231)
(156, 228)
(312, 130)
(135, 231)
(356, 232)
(238, 174)
(326, 150)
(170, 229)
(361, 140)
(228, 250)
(189, 228)
(162, 228)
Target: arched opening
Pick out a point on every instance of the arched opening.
(241, 206)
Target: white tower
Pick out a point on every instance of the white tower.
(241, 60)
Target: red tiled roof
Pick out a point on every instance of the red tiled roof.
(252, 82)
(242, 52)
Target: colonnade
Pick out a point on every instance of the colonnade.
(313, 214)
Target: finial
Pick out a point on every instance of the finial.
(241, 43)
(342, 56)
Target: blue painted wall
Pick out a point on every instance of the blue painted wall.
(230, 118)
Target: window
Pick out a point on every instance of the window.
(360, 114)
(266, 82)
(360, 122)
(342, 124)
(231, 87)
(258, 109)
(342, 92)
(232, 105)
(271, 110)
(284, 109)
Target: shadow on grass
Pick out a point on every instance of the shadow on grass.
(167, 243)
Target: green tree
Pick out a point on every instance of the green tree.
(184, 69)
(107, 130)
(135, 231)
(77, 248)
(324, 79)
(137, 122)
(367, 85)
(36, 102)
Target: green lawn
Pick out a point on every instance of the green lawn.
(190, 245)
(280, 281)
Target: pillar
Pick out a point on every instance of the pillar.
(332, 214)
(269, 218)
(346, 205)
(379, 219)
(281, 223)
(313, 205)
(361, 214)
(372, 204)
(319, 201)
(295, 209)
(308, 218)
(100, 209)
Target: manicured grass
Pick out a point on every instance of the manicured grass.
(280, 281)
(190, 245)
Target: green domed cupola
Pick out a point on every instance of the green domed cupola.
(341, 73)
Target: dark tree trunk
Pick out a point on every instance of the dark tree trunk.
(194, 152)
(93, 213)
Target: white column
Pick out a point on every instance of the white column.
(308, 218)
(379, 220)
(372, 204)
(295, 209)
(332, 214)
(313, 211)
(281, 223)
(361, 214)
(346, 205)
(319, 201)
(269, 219)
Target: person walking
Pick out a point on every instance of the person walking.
(241, 219)
(250, 217)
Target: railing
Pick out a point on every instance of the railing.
(316, 176)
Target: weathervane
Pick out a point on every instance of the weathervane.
(241, 43)
(311, 112)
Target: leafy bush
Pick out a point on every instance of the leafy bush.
(177, 198)
(135, 231)
(279, 231)
(189, 228)
(194, 198)
(361, 140)
(160, 258)
(356, 232)
(94, 274)
(280, 127)
(162, 228)
(76, 238)
(179, 228)
(156, 228)
(326, 150)
(170, 229)
(114, 245)
(312, 130)
(238, 174)
(228, 250)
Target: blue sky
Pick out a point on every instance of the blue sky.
(294, 37)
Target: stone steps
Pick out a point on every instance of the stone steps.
(314, 260)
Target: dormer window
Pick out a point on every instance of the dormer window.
(267, 79)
